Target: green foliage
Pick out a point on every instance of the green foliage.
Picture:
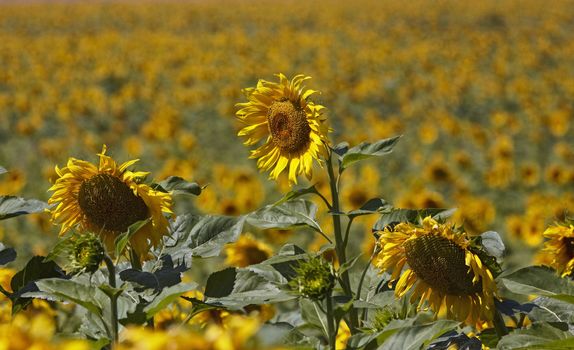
(538, 280)
(11, 206)
(178, 186)
(366, 150)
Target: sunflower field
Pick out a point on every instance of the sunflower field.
(269, 175)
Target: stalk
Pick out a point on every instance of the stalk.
(331, 323)
(340, 247)
(113, 298)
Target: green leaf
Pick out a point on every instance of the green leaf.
(396, 216)
(539, 280)
(6, 254)
(313, 315)
(552, 310)
(375, 205)
(26, 280)
(179, 186)
(201, 236)
(220, 284)
(3, 170)
(87, 296)
(295, 194)
(11, 206)
(123, 239)
(348, 264)
(539, 336)
(415, 337)
(367, 150)
(492, 244)
(166, 297)
(294, 213)
(340, 149)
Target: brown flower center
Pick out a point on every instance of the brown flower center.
(108, 203)
(440, 262)
(288, 126)
(569, 244)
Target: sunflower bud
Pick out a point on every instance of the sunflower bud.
(315, 278)
(86, 253)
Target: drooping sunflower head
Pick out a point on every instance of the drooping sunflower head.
(314, 278)
(293, 127)
(106, 199)
(442, 270)
(558, 250)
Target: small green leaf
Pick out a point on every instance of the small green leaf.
(294, 213)
(367, 150)
(110, 291)
(395, 216)
(341, 148)
(375, 205)
(3, 170)
(220, 284)
(6, 254)
(166, 297)
(492, 244)
(180, 186)
(123, 239)
(295, 194)
(348, 264)
(539, 280)
(11, 206)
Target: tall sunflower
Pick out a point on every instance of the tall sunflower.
(294, 129)
(107, 199)
(442, 270)
(558, 250)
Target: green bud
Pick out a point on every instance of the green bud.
(86, 253)
(315, 278)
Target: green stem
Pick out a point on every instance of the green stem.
(135, 260)
(360, 287)
(346, 239)
(324, 199)
(113, 299)
(339, 243)
(499, 325)
(331, 323)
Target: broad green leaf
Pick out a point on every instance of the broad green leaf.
(6, 254)
(415, 337)
(312, 314)
(11, 206)
(24, 280)
(367, 150)
(165, 276)
(552, 310)
(542, 281)
(123, 239)
(166, 297)
(202, 236)
(340, 149)
(375, 205)
(3, 170)
(87, 296)
(294, 213)
(295, 194)
(538, 336)
(236, 288)
(180, 186)
(396, 216)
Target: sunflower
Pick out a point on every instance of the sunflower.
(107, 199)
(442, 269)
(294, 128)
(247, 251)
(559, 248)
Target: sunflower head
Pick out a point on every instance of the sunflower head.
(558, 251)
(314, 278)
(289, 128)
(107, 199)
(442, 269)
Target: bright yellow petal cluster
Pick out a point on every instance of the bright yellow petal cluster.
(559, 248)
(441, 270)
(292, 127)
(70, 212)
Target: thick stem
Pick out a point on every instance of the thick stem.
(113, 298)
(339, 242)
(331, 323)
(135, 260)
